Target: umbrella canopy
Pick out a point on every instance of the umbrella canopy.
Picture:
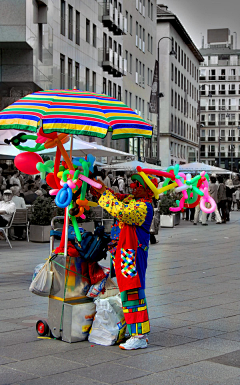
(198, 167)
(8, 151)
(131, 166)
(74, 112)
(82, 148)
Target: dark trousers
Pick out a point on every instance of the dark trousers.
(222, 208)
(229, 208)
(191, 212)
(3, 222)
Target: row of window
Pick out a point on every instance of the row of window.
(180, 103)
(185, 61)
(183, 129)
(112, 89)
(89, 82)
(184, 83)
(231, 104)
(140, 6)
(219, 74)
(91, 38)
(140, 71)
(230, 134)
(178, 150)
(221, 59)
(212, 150)
(215, 119)
(219, 89)
(139, 105)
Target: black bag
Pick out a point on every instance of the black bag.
(93, 247)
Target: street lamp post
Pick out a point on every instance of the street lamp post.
(172, 52)
(199, 124)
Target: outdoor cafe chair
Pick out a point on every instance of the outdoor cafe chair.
(4, 229)
(21, 219)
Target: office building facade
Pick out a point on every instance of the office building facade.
(220, 101)
(179, 84)
(105, 47)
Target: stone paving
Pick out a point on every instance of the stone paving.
(193, 298)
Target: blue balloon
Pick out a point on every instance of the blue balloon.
(64, 196)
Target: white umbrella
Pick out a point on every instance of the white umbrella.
(7, 150)
(198, 167)
(131, 166)
(82, 148)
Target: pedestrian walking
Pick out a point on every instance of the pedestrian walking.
(222, 199)
(213, 192)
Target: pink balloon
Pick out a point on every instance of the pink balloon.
(26, 162)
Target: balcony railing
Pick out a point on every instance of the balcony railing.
(214, 78)
(211, 138)
(112, 18)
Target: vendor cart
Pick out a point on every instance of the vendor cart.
(67, 296)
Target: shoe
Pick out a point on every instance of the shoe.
(195, 224)
(134, 343)
(204, 224)
(154, 243)
(218, 223)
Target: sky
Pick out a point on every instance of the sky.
(199, 15)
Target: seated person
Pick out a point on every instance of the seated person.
(7, 208)
(19, 201)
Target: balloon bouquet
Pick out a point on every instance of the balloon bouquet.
(69, 185)
(193, 189)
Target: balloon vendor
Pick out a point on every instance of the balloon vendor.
(134, 215)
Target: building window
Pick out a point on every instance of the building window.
(143, 41)
(143, 75)
(94, 35)
(136, 71)
(77, 75)
(109, 88)
(70, 22)
(136, 104)
(40, 41)
(130, 99)
(119, 93)
(69, 74)
(151, 11)
(148, 8)
(151, 45)
(148, 42)
(88, 31)
(130, 25)
(104, 86)
(77, 27)
(127, 20)
(62, 71)
(63, 11)
(114, 90)
(126, 97)
(130, 64)
(136, 34)
(94, 81)
(87, 79)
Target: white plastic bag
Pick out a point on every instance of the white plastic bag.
(109, 324)
(41, 284)
(96, 289)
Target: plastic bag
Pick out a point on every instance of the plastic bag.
(96, 289)
(111, 289)
(109, 324)
(37, 269)
(80, 321)
(41, 285)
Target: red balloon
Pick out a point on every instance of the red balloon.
(26, 162)
(50, 179)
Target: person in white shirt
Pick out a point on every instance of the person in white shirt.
(19, 201)
(7, 208)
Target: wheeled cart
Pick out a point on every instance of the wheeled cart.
(70, 312)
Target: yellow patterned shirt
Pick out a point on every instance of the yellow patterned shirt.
(132, 213)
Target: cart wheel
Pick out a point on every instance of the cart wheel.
(42, 328)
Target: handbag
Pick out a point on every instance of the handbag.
(93, 247)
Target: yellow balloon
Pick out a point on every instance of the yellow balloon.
(154, 189)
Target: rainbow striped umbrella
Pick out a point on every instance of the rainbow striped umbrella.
(74, 112)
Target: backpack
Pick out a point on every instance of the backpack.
(93, 247)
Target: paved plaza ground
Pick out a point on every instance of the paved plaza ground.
(193, 292)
